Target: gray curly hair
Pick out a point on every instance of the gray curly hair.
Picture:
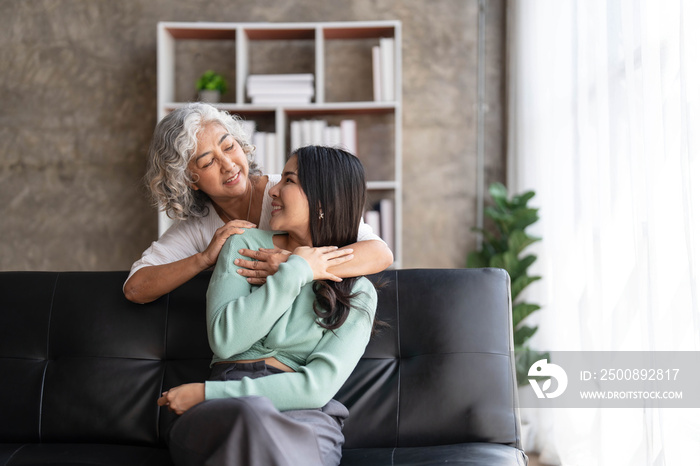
(174, 143)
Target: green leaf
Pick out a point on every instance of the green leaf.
(522, 199)
(498, 192)
(519, 240)
(499, 216)
(489, 238)
(520, 283)
(522, 334)
(520, 268)
(521, 311)
(502, 219)
(522, 218)
(506, 260)
(210, 80)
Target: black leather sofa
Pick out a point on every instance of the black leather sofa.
(81, 369)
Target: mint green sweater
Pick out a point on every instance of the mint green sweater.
(277, 320)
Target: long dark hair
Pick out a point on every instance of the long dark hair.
(334, 183)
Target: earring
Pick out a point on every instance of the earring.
(320, 214)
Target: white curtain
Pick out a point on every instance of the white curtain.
(604, 125)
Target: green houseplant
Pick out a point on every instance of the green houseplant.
(503, 247)
(210, 86)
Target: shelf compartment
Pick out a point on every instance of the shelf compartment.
(375, 140)
(339, 56)
(194, 57)
(348, 61)
(266, 51)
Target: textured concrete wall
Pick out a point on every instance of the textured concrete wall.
(78, 106)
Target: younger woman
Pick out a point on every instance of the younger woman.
(282, 350)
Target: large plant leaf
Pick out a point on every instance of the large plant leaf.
(520, 268)
(507, 261)
(523, 218)
(522, 334)
(522, 199)
(491, 244)
(521, 311)
(520, 283)
(519, 240)
(499, 194)
(502, 219)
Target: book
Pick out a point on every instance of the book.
(294, 77)
(272, 99)
(280, 88)
(271, 164)
(372, 219)
(386, 217)
(386, 49)
(272, 87)
(348, 135)
(248, 128)
(305, 133)
(331, 136)
(295, 135)
(259, 140)
(319, 132)
(377, 74)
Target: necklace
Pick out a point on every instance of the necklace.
(250, 203)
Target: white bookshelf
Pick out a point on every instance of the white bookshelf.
(375, 117)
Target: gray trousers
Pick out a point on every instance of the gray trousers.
(250, 431)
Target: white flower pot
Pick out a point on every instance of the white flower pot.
(211, 97)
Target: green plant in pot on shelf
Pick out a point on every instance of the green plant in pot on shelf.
(210, 86)
(504, 248)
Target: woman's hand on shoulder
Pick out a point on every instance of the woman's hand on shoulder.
(323, 258)
(264, 262)
(234, 227)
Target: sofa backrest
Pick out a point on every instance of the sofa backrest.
(79, 363)
(443, 373)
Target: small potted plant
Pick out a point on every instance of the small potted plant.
(210, 86)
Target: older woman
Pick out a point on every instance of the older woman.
(201, 172)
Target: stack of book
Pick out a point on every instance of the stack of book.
(319, 132)
(265, 155)
(284, 89)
